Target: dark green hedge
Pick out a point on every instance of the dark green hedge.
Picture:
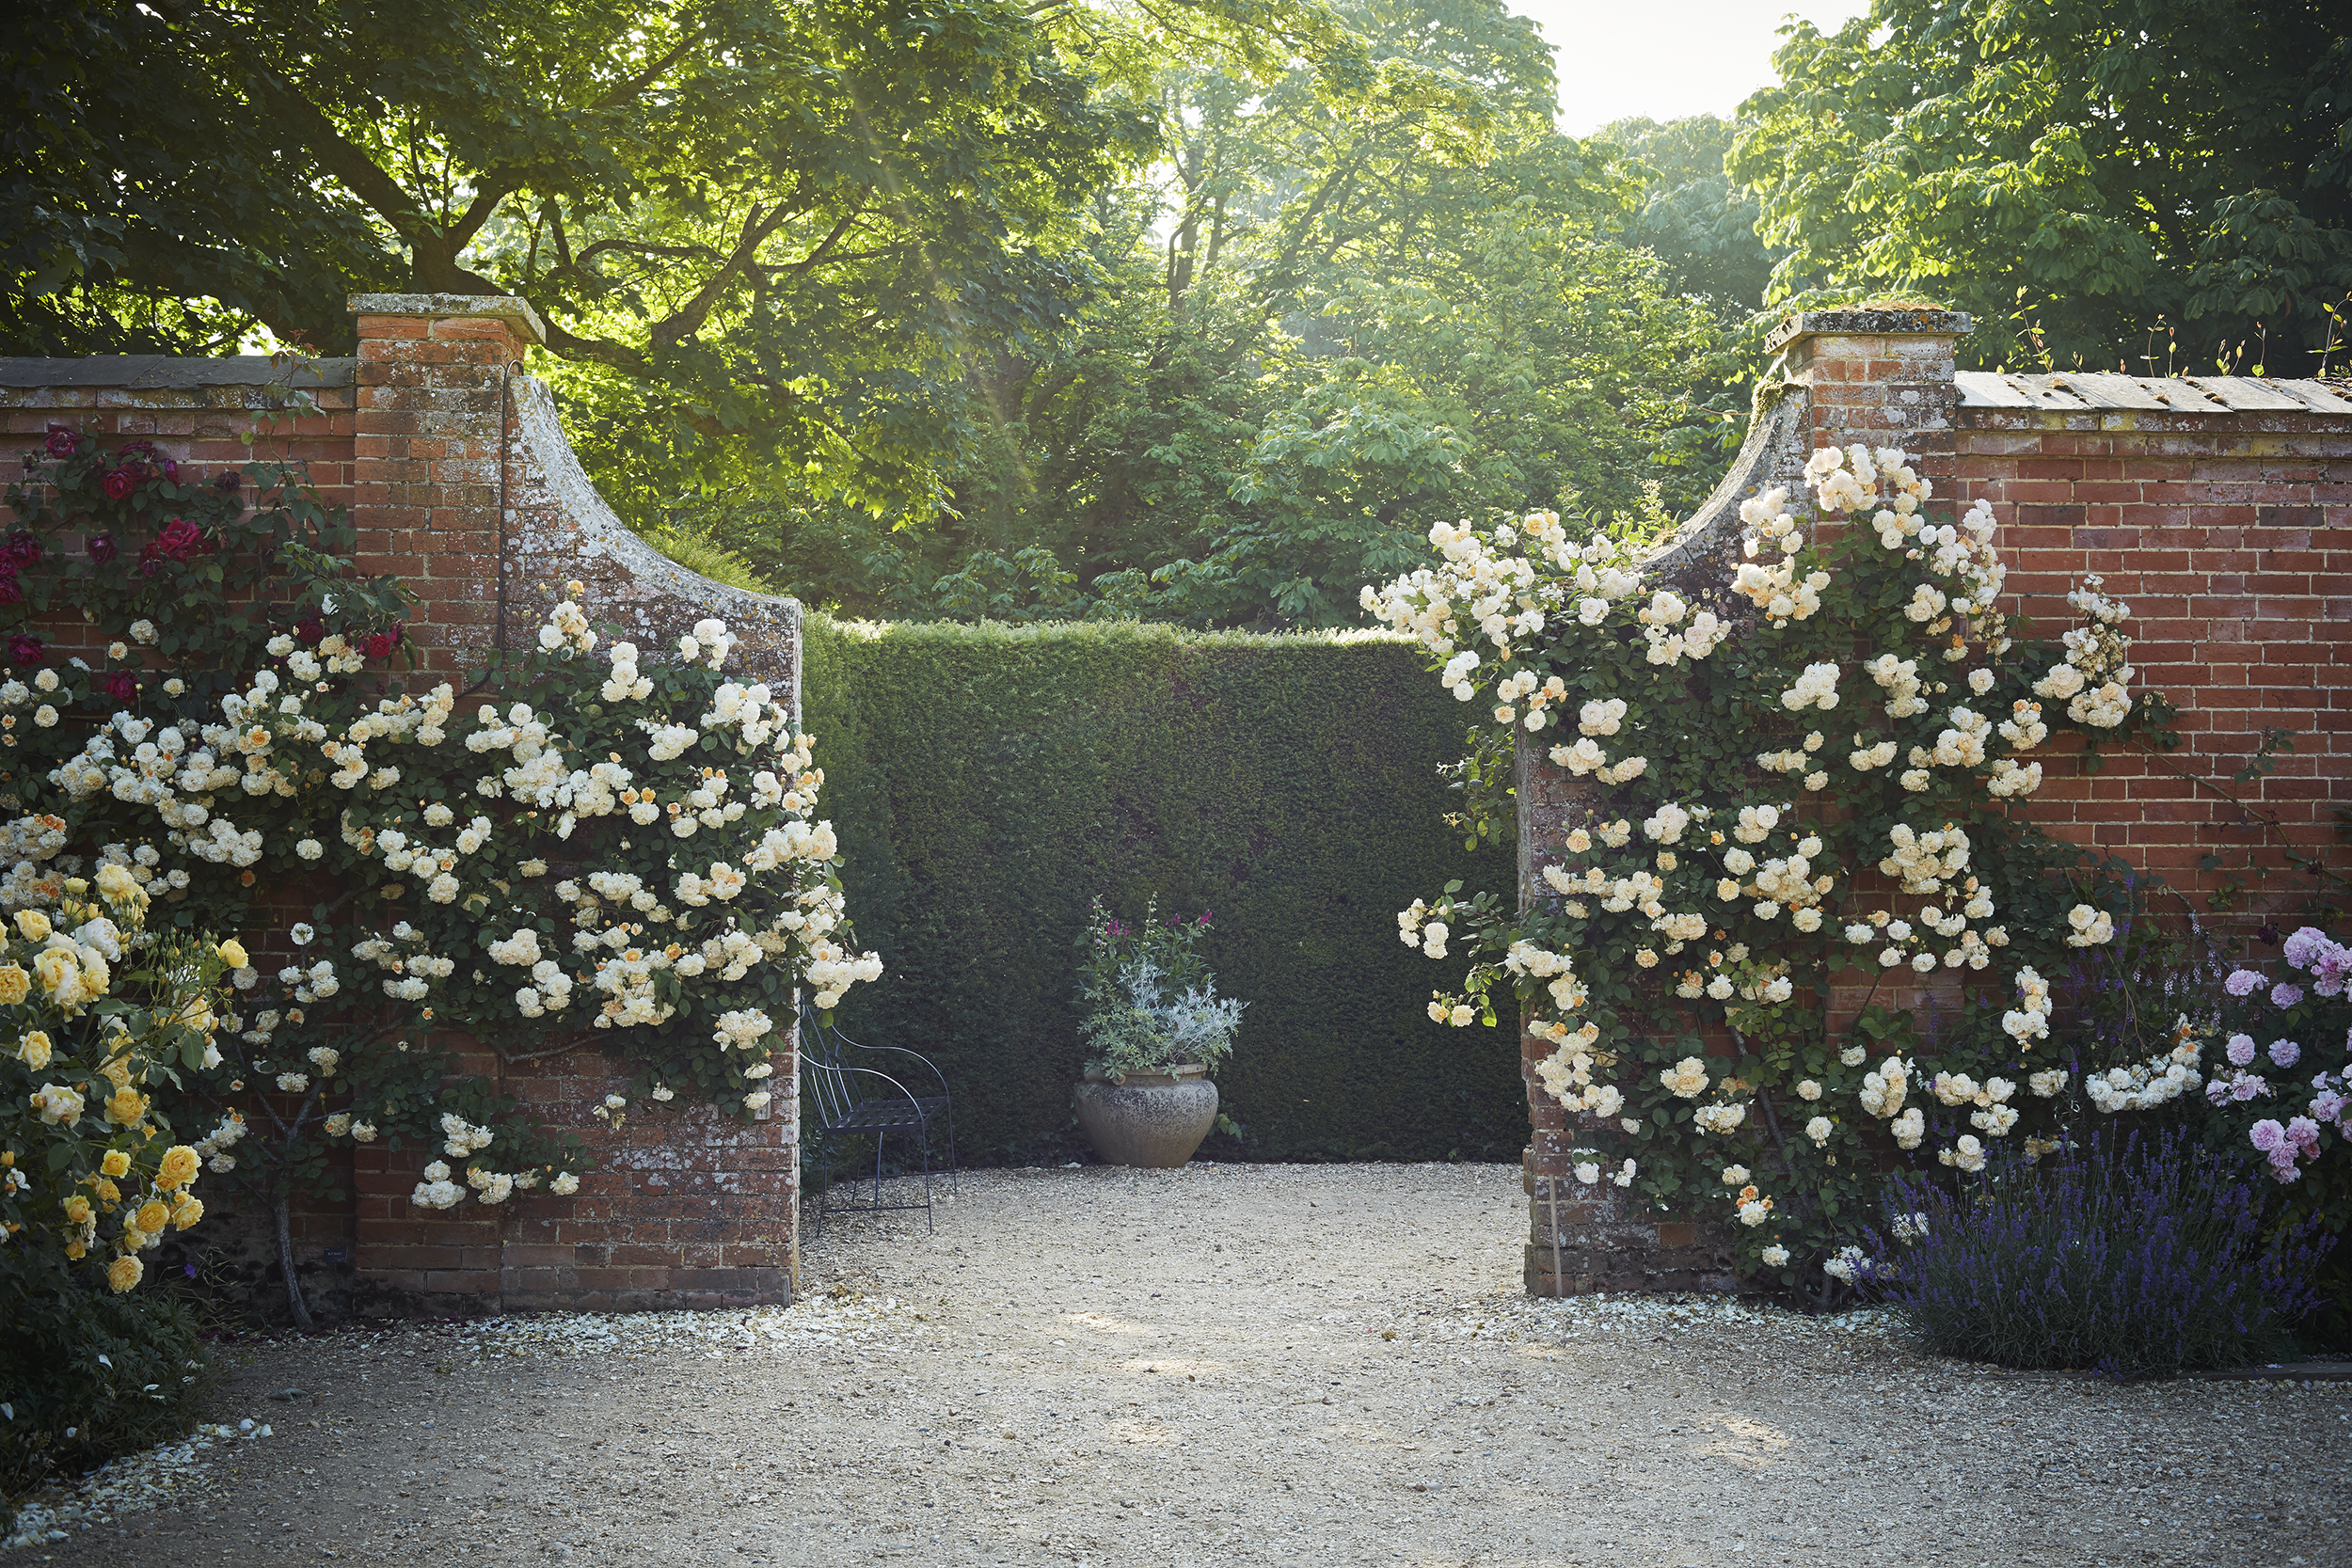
(988, 781)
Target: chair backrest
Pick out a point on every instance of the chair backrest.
(821, 1070)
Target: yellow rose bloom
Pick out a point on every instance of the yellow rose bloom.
(76, 1251)
(123, 1273)
(125, 1106)
(77, 1210)
(188, 1213)
(232, 954)
(178, 1169)
(114, 1163)
(13, 984)
(117, 1072)
(117, 885)
(34, 1049)
(153, 1216)
(59, 972)
(107, 1191)
(34, 923)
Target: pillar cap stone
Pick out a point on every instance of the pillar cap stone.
(1868, 321)
(516, 314)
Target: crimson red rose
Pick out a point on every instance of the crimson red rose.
(150, 557)
(309, 630)
(24, 650)
(180, 540)
(62, 441)
(172, 471)
(122, 685)
(100, 548)
(10, 592)
(134, 452)
(378, 645)
(22, 549)
(118, 484)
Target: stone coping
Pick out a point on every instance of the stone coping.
(165, 371)
(1863, 322)
(2112, 391)
(516, 314)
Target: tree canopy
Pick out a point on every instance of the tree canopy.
(2070, 171)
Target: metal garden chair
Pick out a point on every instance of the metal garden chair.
(855, 1101)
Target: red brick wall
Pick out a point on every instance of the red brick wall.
(424, 440)
(2228, 532)
(2231, 538)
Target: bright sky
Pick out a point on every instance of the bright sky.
(1666, 58)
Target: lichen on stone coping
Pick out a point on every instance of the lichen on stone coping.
(1869, 321)
(516, 314)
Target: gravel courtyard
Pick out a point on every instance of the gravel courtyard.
(1223, 1366)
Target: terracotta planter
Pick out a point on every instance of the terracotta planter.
(1149, 1118)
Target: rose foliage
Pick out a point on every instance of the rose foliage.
(1802, 779)
(612, 853)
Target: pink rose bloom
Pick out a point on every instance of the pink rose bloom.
(2303, 1132)
(2326, 1105)
(2241, 1048)
(2284, 995)
(2282, 1167)
(2330, 969)
(2241, 982)
(2245, 1086)
(2267, 1135)
(2305, 942)
(2285, 1052)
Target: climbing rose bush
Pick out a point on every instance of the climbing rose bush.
(1800, 776)
(97, 1019)
(590, 845)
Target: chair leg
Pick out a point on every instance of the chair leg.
(930, 1225)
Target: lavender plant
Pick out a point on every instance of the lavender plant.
(2132, 1256)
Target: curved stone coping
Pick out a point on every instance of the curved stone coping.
(1773, 449)
(601, 534)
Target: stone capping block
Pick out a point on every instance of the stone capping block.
(146, 371)
(515, 313)
(1863, 322)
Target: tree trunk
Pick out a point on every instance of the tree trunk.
(281, 1206)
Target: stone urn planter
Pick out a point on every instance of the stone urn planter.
(1153, 1119)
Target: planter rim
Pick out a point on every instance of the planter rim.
(1178, 1073)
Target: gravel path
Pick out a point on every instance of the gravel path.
(1222, 1366)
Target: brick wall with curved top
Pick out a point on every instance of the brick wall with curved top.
(460, 482)
(2219, 508)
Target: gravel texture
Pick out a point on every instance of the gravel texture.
(1222, 1366)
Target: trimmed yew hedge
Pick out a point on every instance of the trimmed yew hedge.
(988, 781)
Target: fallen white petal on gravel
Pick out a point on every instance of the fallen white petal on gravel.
(131, 1485)
(815, 1320)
